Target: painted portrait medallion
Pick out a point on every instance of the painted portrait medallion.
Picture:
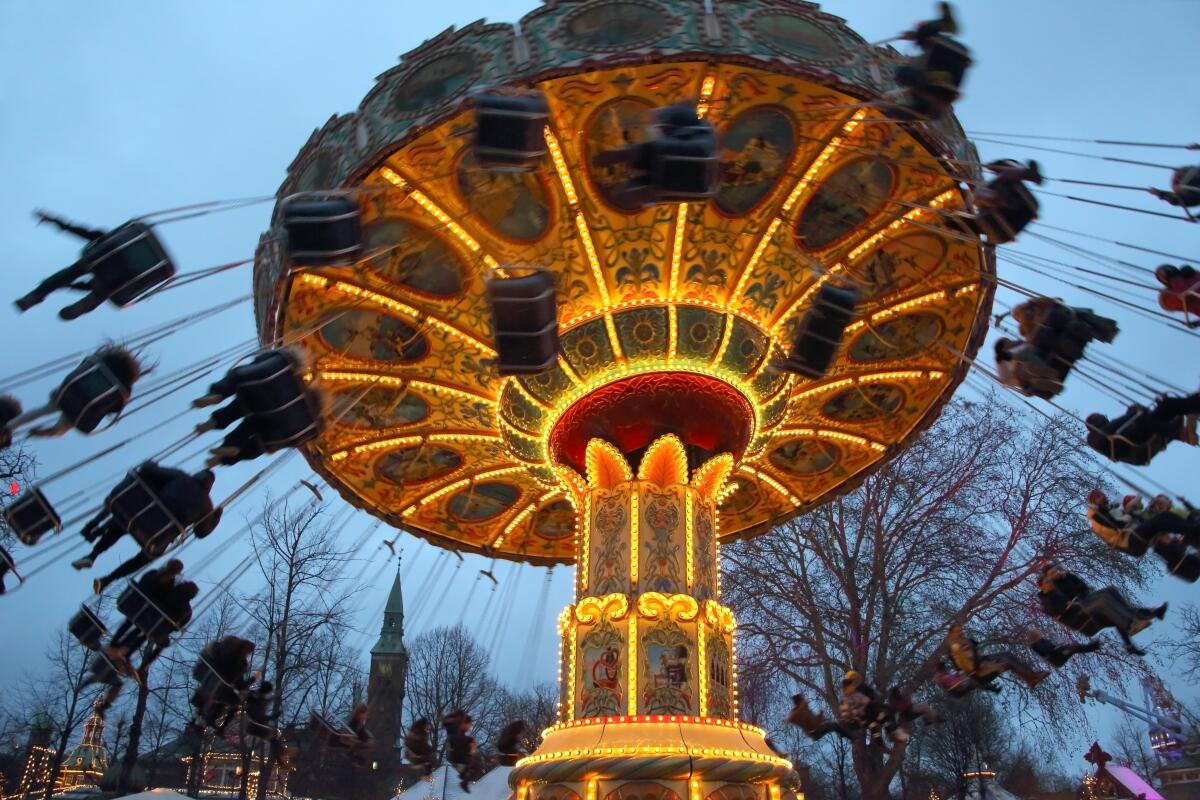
(846, 199)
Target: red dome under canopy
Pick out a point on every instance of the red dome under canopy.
(708, 416)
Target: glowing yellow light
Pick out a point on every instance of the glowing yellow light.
(402, 308)
(573, 633)
(656, 605)
(826, 154)
(672, 332)
(720, 617)
(755, 257)
(773, 789)
(605, 465)
(560, 166)
(423, 200)
(688, 511)
(470, 437)
(399, 441)
(590, 610)
(522, 791)
(706, 91)
(327, 376)
(631, 369)
(638, 302)
(529, 397)
(584, 548)
(874, 377)
(634, 523)
(664, 462)
(702, 668)
(613, 339)
(643, 719)
(445, 490)
(631, 705)
(569, 371)
(677, 247)
(915, 302)
(774, 484)
(728, 752)
(915, 213)
(839, 436)
(512, 525)
(590, 792)
(800, 301)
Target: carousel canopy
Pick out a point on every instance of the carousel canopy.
(671, 317)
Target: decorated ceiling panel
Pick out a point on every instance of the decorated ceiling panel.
(814, 188)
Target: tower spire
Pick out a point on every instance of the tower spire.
(391, 634)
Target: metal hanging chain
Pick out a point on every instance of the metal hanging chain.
(1118, 142)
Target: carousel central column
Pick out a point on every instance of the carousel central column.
(648, 635)
(648, 698)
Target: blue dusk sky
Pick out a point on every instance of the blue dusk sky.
(110, 110)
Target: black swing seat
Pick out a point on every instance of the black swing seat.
(90, 393)
(290, 425)
(138, 509)
(87, 627)
(127, 262)
(681, 163)
(524, 319)
(820, 331)
(323, 228)
(1002, 224)
(1187, 186)
(946, 61)
(145, 612)
(284, 408)
(509, 131)
(31, 516)
(333, 735)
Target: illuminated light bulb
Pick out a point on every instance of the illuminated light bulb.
(677, 247)
(755, 257)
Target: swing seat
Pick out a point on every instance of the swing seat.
(681, 160)
(31, 516)
(127, 262)
(509, 131)
(282, 409)
(1186, 184)
(87, 627)
(91, 393)
(820, 331)
(323, 228)
(686, 170)
(289, 426)
(946, 62)
(330, 734)
(524, 320)
(1002, 224)
(141, 512)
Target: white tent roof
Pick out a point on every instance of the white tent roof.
(994, 792)
(155, 794)
(443, 785)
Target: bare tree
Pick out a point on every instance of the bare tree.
(537, 706)
(1130, 746)
(305, 601)
(971, 736)
(952, 530)
(447, 670)
(1186, 646)
(59, 693)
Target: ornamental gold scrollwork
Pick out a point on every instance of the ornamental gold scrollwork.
(680, 607)
(611, 606)
(719, 616)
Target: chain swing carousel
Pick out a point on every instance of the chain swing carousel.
(557, 345)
